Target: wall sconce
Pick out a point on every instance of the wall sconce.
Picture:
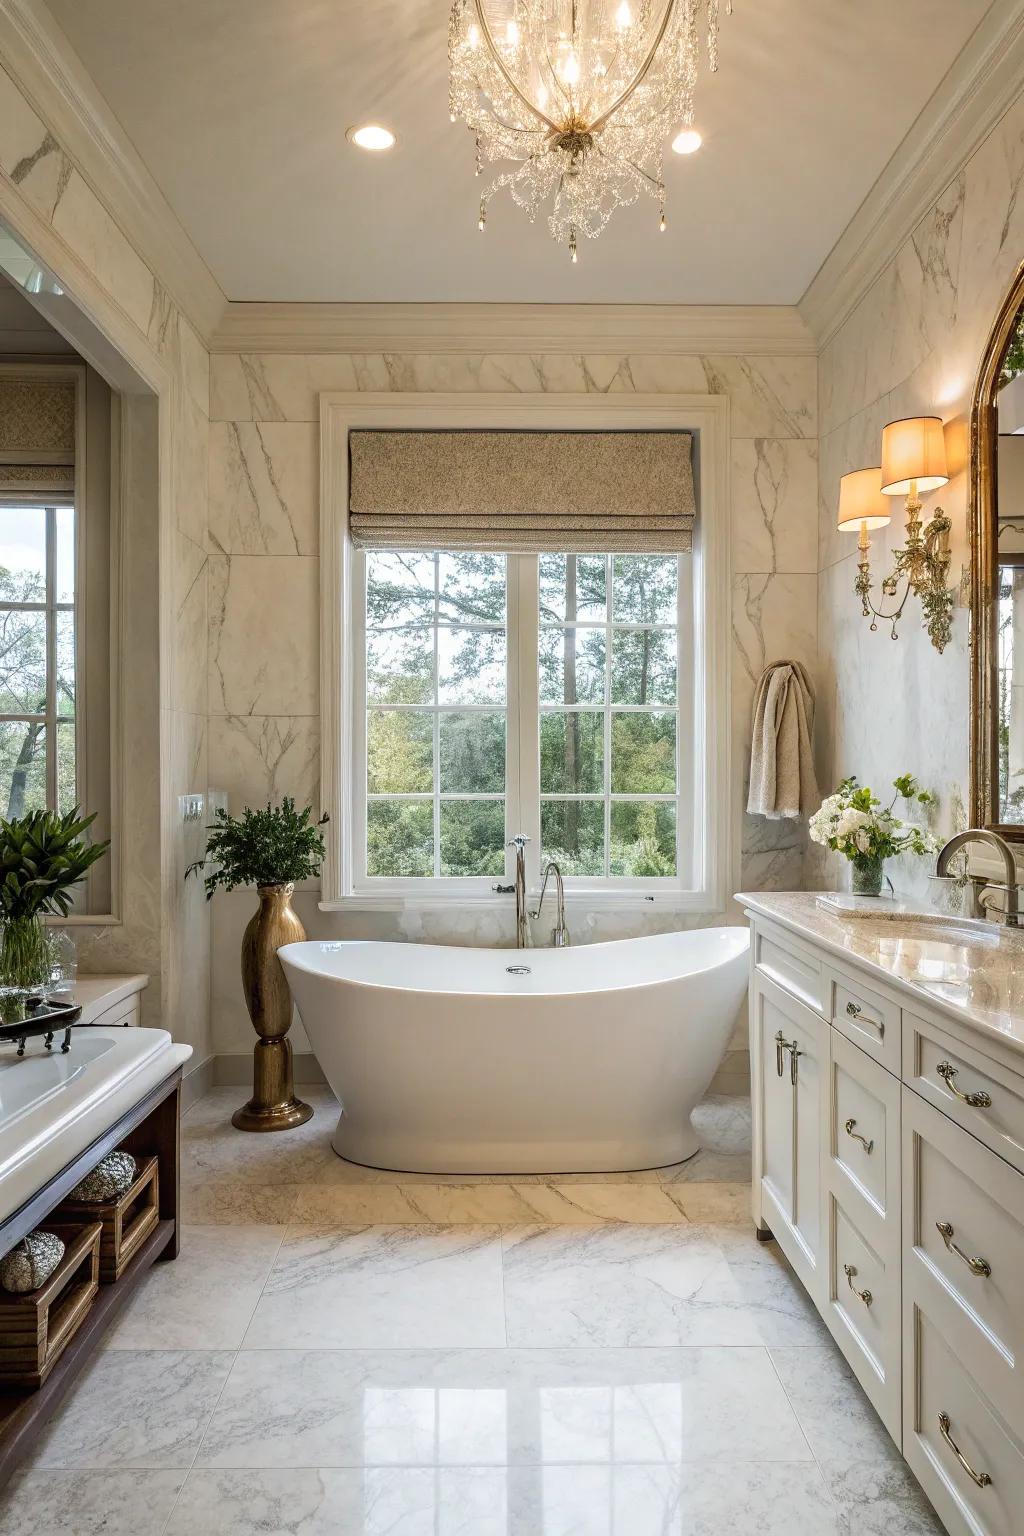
(913, 460)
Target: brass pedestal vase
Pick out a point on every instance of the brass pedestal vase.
(273, 1106)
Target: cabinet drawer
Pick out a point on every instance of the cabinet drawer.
(950, 1428)
(790, 964)
(964, 1249)
(977, 1092)
(863, 1311)
(865, 1016)
(864, 1142)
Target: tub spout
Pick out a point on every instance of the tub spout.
(560, 933)
(524, 939)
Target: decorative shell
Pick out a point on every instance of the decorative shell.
(31, 1263)
(109, 1178)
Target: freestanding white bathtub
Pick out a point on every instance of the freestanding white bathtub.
(449, 1060)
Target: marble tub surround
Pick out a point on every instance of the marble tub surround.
(976, 976)
(598, 1369)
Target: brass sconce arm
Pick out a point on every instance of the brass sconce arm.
(922, 567)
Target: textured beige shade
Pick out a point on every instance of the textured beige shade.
(522, 490)
(861, 501)
(37, 440)
(913, 449)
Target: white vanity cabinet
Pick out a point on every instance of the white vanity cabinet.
(889, 1166)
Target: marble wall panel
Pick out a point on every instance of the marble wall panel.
(264, 488)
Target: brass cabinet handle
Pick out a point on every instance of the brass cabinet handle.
(976, 1266)
(865, 1295)
(979, 1100)
(853, 1009)
(980, 1479)
(867, 1145)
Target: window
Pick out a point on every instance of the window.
(38, 674)
(547, 694)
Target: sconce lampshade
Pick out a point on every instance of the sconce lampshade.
(861, 501)
(913, 450)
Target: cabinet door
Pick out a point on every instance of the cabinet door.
(789, 1045)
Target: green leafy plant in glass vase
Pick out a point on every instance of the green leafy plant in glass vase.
(42, 856)
(855, 823)
(270, 849)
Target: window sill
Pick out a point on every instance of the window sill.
(575, 900)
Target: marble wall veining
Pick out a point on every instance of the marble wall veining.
(912, 347)
(262, 543)
(165, 927)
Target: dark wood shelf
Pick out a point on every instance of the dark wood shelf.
(151, 1127)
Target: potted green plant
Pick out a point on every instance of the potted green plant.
(42, 856)
(271, 849)
(854, 822)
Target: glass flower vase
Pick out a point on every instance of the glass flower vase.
(24, 964)
(867, 874)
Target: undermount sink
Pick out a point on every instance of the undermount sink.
(906, 923)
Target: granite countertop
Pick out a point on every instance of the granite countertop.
(976, 977)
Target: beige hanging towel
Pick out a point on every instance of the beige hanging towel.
(782, 781)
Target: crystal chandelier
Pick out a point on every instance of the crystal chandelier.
(579, 95)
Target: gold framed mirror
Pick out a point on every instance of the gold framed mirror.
(997, 576)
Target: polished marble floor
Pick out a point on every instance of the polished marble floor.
(343, 1352)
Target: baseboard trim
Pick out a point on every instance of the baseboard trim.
(197, 1082)
(233, 1069)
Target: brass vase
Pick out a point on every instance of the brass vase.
(273, 1106)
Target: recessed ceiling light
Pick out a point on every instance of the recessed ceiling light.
(687, 142)
(371, 136)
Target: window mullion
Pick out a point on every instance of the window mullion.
(51, 657)
(527, 724)
(609, 592)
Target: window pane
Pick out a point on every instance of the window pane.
(572, 833)
(472, 837)
(22, 554)
(399, 588)
(400, 666)
(645, 589)
(471, 663)
(471, 588)
(644, 754)
(22, 768)
(399, 752)
(22, 663)
(572, 587)
(472, 754)
(66, 665)
(643, 839)
(400, 837)
(572, 753)
(571, 666)
(643, 666)
(65, 592)
(67, 793)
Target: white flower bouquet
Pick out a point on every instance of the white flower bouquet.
(854, 822)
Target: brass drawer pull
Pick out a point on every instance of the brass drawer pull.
(976, 1266)
(979, 1100)
(980, 1479)
(867, 1145)
(865, 1295)
(853, 1009)
(791, 1046)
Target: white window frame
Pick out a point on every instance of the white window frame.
(707, 417)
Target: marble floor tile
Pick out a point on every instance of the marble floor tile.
(497, 1204)
(324, 1408)
(769, 1288)
(206, 1296)
(227, 1202)
(714, 1203)
(107, 1503)
(136, 1408)
(879, 1498)
(836, 1416)
(709, 1166)
(388, 1286)
(622, 1285)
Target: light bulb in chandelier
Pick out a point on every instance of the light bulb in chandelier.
(572, 247)
(483, 218)
(578, 102)
(663, 222)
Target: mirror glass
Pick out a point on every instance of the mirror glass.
(1009, 553)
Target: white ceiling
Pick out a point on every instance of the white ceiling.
(239, 109)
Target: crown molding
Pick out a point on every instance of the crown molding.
(48, 71)
(977, 90)
(533, 328)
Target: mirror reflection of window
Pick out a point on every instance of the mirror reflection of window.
(1010, 618)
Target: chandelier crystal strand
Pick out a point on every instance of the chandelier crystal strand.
(579, 97)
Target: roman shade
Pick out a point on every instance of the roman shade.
(495, 490)
(37, 441)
